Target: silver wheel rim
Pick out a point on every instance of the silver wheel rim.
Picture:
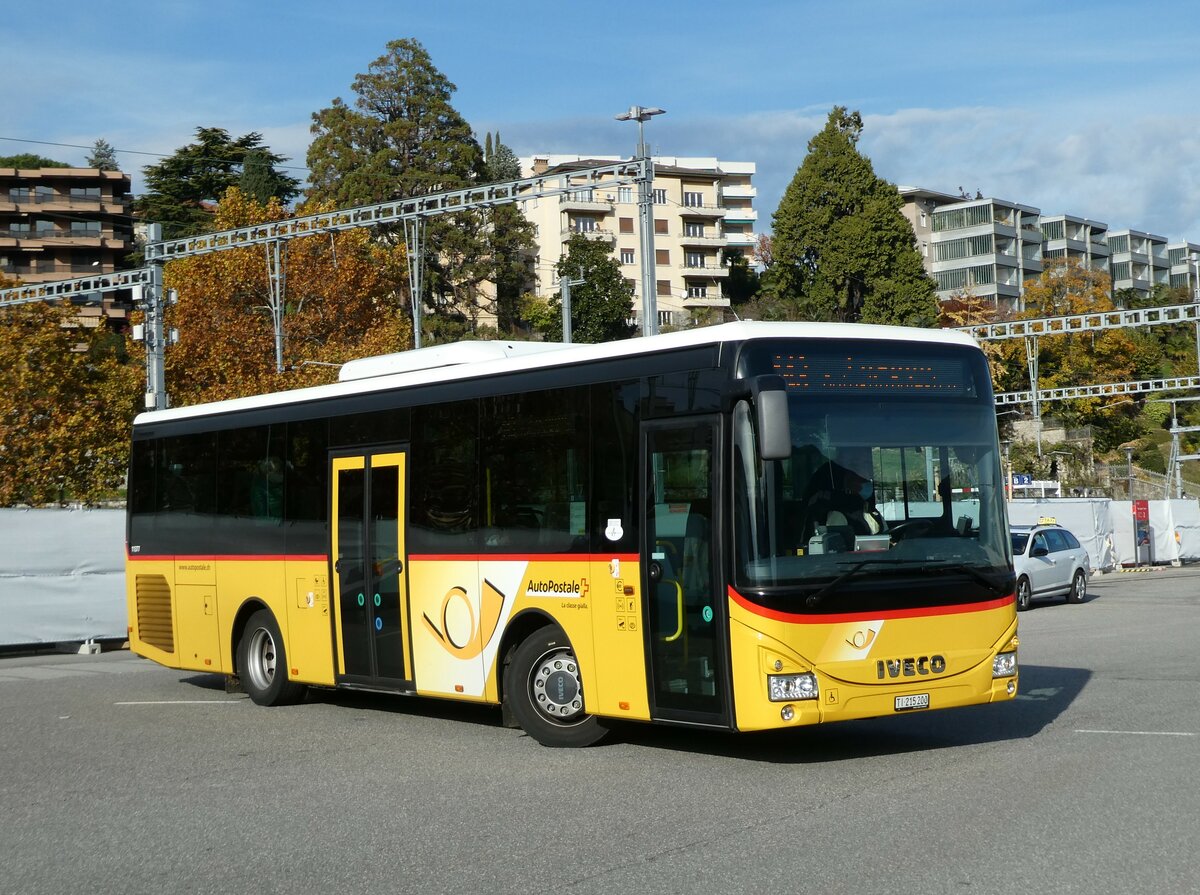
(260, 659)
(1023, 593)
(555, 688)
(1080, 587)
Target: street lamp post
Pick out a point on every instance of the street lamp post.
(641, 115)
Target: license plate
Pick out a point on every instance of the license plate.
(916, 701)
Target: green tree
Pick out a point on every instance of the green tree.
(402, 138)
(500, 162)
(842, 249)
(183, 189)
(743, 283)
(29, 160)
(602, 305)
(103, 156)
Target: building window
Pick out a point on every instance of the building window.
(625, 225)
(18, 194)
(85, 228)
(627, 256)
(924, 219)
(660, 226)
(43, 194)
(660, 197)
(85, 192)
(693, 259)
(662, 256)
(584, 225)
(44, 226)
(662, 287)
(697, 291)
(693, 228)
(625, 194)
(693, 200)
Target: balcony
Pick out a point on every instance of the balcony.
(703, 211)
(707, 301)
(598, 235)
(707, 270)
(739, 191)
(586, 202)
(711, 240)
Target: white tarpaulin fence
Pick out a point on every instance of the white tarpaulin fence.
(62, 576)
(1106, 528)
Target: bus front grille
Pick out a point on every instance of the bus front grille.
(154, 612)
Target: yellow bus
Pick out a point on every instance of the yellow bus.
(742, 527)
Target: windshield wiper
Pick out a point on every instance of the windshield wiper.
(971, 572)
(813, 600)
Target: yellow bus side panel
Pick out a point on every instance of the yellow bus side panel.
(845, 655)
(149, 586)
(460, 609)
(617, 629)
(306, 625)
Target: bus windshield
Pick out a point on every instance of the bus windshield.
(885, 494)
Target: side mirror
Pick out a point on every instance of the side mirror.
(771, 408)
(1040, 550)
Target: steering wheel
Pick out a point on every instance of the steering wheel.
(913, 528)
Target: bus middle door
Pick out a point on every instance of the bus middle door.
(369, 568)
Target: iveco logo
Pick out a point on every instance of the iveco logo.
(910, 666)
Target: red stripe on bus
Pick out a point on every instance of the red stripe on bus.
(810, 618)
(521, 557)
(256, 557)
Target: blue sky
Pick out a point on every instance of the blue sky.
(1080, 108)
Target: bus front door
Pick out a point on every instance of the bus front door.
(369, 561)
(686, 625)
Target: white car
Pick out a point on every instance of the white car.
(1049, 562)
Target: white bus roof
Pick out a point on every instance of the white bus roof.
(465, 360)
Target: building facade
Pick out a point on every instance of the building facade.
(989, 248)
(703, 208)
(60, 223)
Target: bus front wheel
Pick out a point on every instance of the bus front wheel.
(544, 691)
(262, 662)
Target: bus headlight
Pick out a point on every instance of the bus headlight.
(789, 687)
(1004, 665)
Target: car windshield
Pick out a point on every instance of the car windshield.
(879, 488)
(1019, 540)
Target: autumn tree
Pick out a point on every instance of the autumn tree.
(341, 301)
(183, 189)
(67, 398)
(400, 138)
(602, 305)
(842, 250)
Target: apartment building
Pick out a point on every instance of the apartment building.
(990, 247)
(1071, 237)
(985, 247)
(1184, 258)
(703, 207)
(59, 223)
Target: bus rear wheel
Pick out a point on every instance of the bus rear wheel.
(544, 691)
(262, 662)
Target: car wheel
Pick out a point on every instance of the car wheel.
(1078, 591)
(544, 691)
(1024, 594)
(262, 663)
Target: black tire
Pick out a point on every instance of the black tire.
(262, 663)
(1024, 594)
(1078, 591)
(544, 691)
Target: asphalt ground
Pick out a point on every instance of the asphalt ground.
(117, 775)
